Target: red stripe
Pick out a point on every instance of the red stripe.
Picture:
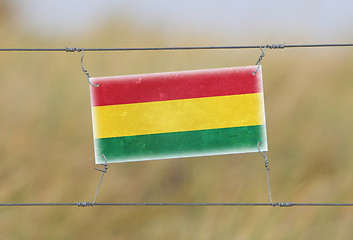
(175, 85)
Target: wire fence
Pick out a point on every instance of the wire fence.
(89, 204)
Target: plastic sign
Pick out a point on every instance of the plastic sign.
(178, 114)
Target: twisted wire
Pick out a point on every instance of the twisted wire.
(82, 67)
(263, 154)
(103, 172)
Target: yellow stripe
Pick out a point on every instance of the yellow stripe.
(178, 115)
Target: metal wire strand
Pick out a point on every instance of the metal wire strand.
(260, 59)
(263, 154)
(86, 204)
(83, 69)
(271, 46)
(103, 172)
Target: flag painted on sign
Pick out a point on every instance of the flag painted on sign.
(178, 114)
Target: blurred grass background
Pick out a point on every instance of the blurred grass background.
(47, 147)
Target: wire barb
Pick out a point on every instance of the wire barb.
(263, 154)
(103, 172)
(83, 69)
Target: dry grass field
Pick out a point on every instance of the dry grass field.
(47, 148)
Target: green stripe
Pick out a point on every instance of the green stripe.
(181, 144)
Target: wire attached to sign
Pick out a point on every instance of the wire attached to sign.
(263, 154)
(67, 49)
(103, 172)
(260, 59)
(86, 72)
(273, 46)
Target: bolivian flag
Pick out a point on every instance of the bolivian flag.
(178, 114)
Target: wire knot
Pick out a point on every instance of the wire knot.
(105, 165)
(67, 49)
(283, 204)
(263, 154)
(267, 164)
(84, 204)
(276, 46)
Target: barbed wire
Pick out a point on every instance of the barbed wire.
(271, 46)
